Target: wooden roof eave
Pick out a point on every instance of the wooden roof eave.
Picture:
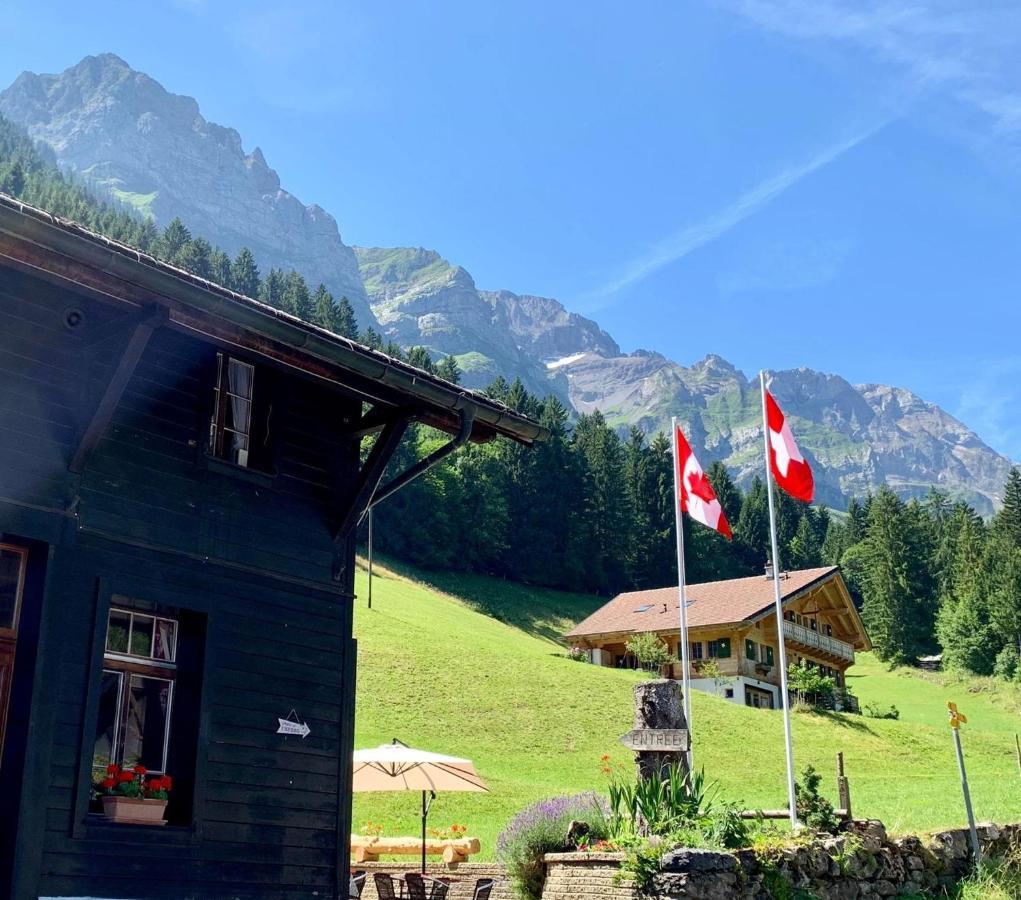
(75, 258)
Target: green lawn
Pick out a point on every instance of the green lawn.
(466, 665)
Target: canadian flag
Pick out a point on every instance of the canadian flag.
(791, 471)
(697, 497)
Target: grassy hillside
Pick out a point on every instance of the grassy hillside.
(440, 670)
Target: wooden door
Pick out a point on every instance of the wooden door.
(12, 586)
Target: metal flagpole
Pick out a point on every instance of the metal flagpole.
(681, 597)
(785, 701)
(370, 557)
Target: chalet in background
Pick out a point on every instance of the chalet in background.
(733, 623)
(180, 484)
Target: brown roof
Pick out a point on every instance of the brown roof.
(711, 603)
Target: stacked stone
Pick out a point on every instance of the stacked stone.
(862, 862)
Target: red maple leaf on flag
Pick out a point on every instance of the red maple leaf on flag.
(697, 497)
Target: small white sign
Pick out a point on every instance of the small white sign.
(291, 725)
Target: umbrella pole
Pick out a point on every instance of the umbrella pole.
(425, 813)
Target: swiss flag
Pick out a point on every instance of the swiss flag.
(791, 471)
(698, 499)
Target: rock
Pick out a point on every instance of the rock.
(128, 134)
(701, 862)
(576, 831)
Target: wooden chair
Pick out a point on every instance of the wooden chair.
(384, 886)
(483, 888)
(356, 885)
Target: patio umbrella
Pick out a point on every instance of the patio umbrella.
(398, 767)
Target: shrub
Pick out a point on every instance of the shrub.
(998, 879)
(1007, 665)
(874, 711)
(578, 654)
(813, 809)
(542, 828)
(649, 650)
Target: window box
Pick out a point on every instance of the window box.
(132, 811)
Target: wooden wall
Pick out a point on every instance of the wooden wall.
(150, 518)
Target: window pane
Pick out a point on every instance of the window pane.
(117, 631)
(141, 636)
(106, 725)
(10, 578)
(148, 718)
(163, 648)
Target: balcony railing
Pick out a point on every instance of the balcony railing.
(808, 638)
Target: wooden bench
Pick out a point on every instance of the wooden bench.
(453, 850)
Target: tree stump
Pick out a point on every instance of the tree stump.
(659, 704)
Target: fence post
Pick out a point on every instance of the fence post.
(843, 788)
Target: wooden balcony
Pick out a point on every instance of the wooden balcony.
(820, 643)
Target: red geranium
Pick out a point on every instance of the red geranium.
(125, 777)
(140, 769)
(113, 769)
(107, 783)
(167, 782)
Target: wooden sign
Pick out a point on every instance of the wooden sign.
(291, 725)
(658, 740)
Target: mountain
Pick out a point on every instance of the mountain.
(127, 135)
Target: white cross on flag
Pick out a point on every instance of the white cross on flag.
(698, 499)
(791, 471)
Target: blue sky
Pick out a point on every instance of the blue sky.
(783, 182)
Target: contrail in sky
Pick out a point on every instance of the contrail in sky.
(689, 239)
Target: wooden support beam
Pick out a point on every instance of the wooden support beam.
(103, 413)
(369, 477)
(376, 419)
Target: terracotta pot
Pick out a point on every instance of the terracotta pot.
(131, 811)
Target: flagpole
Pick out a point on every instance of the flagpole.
(681, 595)
(785, 703)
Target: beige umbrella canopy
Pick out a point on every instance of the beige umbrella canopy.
(398, 767)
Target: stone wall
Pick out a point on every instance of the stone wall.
(862, 863)
(466, 874)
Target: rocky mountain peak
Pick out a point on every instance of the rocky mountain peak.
(129, 137)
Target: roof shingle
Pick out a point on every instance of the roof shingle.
(711, 603)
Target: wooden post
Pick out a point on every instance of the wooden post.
(843, 788)
(1017, 747)
(659, 705)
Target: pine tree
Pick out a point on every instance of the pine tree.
(271, 290)
(1009, 519)
(347, 323)
(888, 591)
(244, 274)
(324, 310)
(752, 529)
(963, 625)
(856, 521)
(219, 268)
(296, 299)
(174, 239)
(419, 357)
(726, 491)
(449, 370)
(195, 257)
(372, 338)
(804, 550)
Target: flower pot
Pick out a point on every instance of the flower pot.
(134, 811)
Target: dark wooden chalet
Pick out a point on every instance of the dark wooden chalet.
(180, 484)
